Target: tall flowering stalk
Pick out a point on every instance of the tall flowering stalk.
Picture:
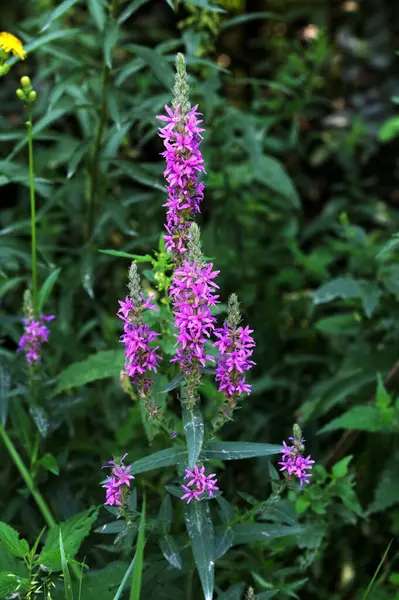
(193, 294)
(182, 139)
(235, 345)
(140, 357)
(293, 464)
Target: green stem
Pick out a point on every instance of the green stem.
(96, 152)
(103, 113)
(44, 509)
(32, 208)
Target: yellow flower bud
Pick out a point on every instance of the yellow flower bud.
(32, 96)
(21, 94)
(25, 82)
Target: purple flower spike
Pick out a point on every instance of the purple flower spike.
(235, 346)
(182, 138)
(35, 334)
(198, 484)
(192, 293)
(293, 463)
(117, 483)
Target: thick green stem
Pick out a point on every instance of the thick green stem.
(32, 208)
(44, 509)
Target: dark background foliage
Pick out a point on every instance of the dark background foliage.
(301, 199)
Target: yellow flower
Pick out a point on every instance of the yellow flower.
(10, 43)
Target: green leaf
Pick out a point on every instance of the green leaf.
(136, 257)
(157, 63)
(194, 431)
(11, 584)
(96, 10)
(59, 11)
(389, 130)
(138, 173)
(200, 531)
(234, 592)
(255, 532)
(170, 551)
(174, 383)
(5, 382)
(340, 469)
(137, 574)
(49, 462)
(238, 450)
(111, 37)
(223, 542)
(73, 532)
(67, 577)
(43, 40)
(271, 173)
(383, 399)
(131, 9)
(47, 287)
(207, 5)
(107, 363)
(361, 418)
(387, 492)
(341, 287)
(345, 324)
(158, 460)
(10, 539)
(240, 19)
(124, 580)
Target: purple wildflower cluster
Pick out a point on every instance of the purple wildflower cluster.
(235, 349)
(198, 484)
(182, 138)
(137, 337)
(294, 463)
(117, 483)
(192, 293)
(35, 334)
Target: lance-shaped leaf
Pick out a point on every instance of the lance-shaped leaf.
(170, 551)
(261, 532)
(194, 431)
(200, 530)
(158, 460)
(238, 450)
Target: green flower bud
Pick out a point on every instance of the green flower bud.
(21, 94)
(32, 96)
(4, 69)
(25, 82)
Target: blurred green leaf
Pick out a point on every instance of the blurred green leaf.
(47, 288)
(107, 363)
(60, 10)
(10, 539)
(194, 431)
(200, 531)
(97, 11)
(158, 64)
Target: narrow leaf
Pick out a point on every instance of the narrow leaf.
(96, 9)
(194, 431)
(130, 10)
(200, 530)
(107, 363)
(136, 257)
(158, 460)
(170, 551)
(67, 577)
(124, 580)
(158, 64)
(47, 287)
(138, 562)
(59, 11)
(238, 450)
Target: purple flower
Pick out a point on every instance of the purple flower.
(182, 138)
(192, 292)
(294, 463)
(235, 345)
(140, 357)
(117, 483)
(198, 484)
(35, 333)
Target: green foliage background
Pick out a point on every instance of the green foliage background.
(300, 216)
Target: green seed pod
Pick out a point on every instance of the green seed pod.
(21, 94)
(32, 96)
(25, 82)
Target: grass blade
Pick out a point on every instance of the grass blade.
(67, 577)
(370, 586)
(124, 580)
(138, 559)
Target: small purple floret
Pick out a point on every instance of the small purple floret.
(198, 484)
(294, 463)
(35, 334)
(117, 482)
(235, 347)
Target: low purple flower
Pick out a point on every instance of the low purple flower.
(192, 292)
(198, 484)
(35, 334)
(117, 483)
(293, 463)
(235, 345)
(182, 138)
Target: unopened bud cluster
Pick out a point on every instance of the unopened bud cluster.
(26, 93)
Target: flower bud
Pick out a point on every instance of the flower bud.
(21, 94)
(32, 96)
(4, 69)
(25, 82)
